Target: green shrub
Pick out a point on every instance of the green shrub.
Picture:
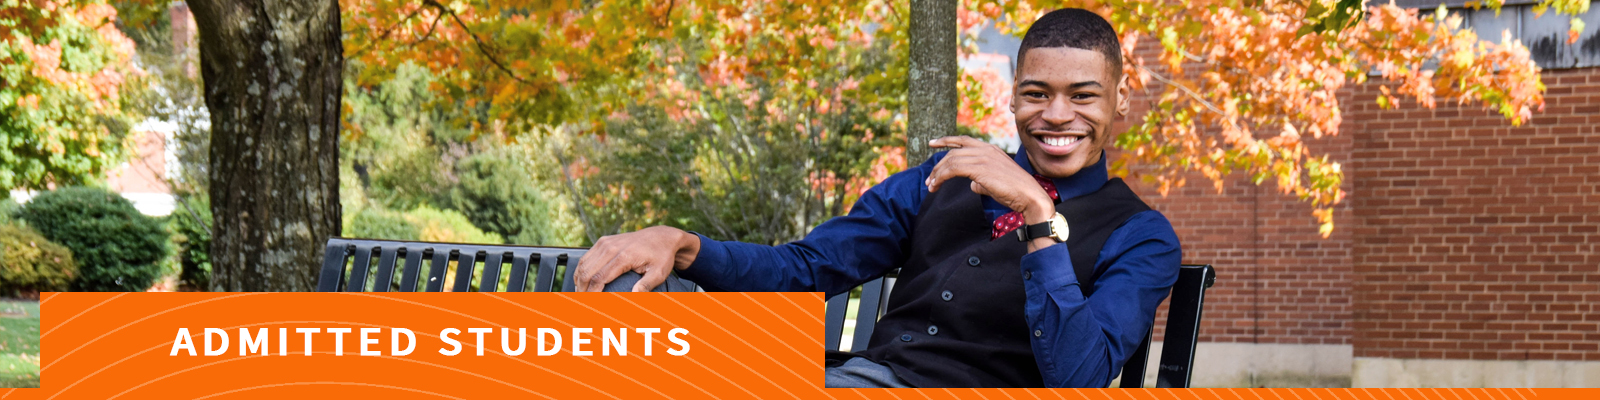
(496, 191)
(8, 210)
(191, 230)
(116, 247)
(436, 225)
(423, 223)
(30, 263)
(378, 223)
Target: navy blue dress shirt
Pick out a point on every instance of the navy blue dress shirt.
(1084, 340)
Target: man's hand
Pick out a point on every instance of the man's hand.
(653, 252)
(993, 174)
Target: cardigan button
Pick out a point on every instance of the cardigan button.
(1038, 333)
(973, 261)
(905, 337)
(1026, 275)
(933, 330)
(946, 295)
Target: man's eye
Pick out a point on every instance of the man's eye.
(1084, 96)
(1035, 95)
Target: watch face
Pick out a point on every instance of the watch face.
(1059, 228)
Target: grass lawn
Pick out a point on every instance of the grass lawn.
(19, 344)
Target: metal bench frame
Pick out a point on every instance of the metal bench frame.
(347, 264)
(1184, 307)
(339, 270)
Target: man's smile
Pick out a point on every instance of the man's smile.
(1059, 143)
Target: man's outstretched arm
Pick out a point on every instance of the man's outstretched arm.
(836, 256)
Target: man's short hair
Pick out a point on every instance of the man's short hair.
(1076, 28)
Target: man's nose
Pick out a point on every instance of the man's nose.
(1059, 112)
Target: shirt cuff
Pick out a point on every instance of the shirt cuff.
(707, 265)
(1050, 267)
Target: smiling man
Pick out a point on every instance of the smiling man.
(1025, 270)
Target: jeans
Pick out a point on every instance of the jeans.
(860, 372)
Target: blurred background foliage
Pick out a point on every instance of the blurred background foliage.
(117, 249)
(412, 169)
(522, 123)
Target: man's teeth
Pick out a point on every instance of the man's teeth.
(1060, 140)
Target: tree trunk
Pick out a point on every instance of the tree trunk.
(932, 96)
(273, 72)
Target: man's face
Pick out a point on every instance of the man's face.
(1065, 99)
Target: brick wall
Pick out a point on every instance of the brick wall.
(1462, 237)
(1278, 281)
(1474, 239)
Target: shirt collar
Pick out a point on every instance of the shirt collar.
(1087, 180)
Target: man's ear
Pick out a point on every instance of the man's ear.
(1013, 101)
(1123, 93)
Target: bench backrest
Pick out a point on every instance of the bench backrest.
(348, 266)
(1177, 355)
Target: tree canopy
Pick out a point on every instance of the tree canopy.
(789, 104)
(1241, 84)
(62, 68)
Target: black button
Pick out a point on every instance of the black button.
(973, 261)
(933, 330)
(905, 337)
(1027, 275)
(946, 295)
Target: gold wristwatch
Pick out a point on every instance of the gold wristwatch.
(1055, 228)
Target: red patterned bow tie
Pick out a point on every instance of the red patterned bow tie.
(1013, 220)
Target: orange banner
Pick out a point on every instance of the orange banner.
(496, 345)
(427, 345)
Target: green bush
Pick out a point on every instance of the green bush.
(191, 230)
(497, 192)
(116, 247)
(436, 225)
(30, 263)
(423, 223)
(8, 210)
(378, 223)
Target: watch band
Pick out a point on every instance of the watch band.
(1034, 231)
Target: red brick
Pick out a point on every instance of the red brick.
(1461, 236)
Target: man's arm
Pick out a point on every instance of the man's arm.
(1083, 342)
(834, 257)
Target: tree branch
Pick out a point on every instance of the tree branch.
(387, 32)
(1186, 90)
(482, 47)
(431, 28)
(577, 198)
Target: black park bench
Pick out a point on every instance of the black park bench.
(348, 266)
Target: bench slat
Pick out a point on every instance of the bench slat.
(441, 262)
(833, 333)
(519, 273)
(385, 269)
(546, 277)
(359, 270)
(413, 268)
(491, 272)
(333, 258)
(1183, 326)
(571, 267)
(466, 263)
(867, 311)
